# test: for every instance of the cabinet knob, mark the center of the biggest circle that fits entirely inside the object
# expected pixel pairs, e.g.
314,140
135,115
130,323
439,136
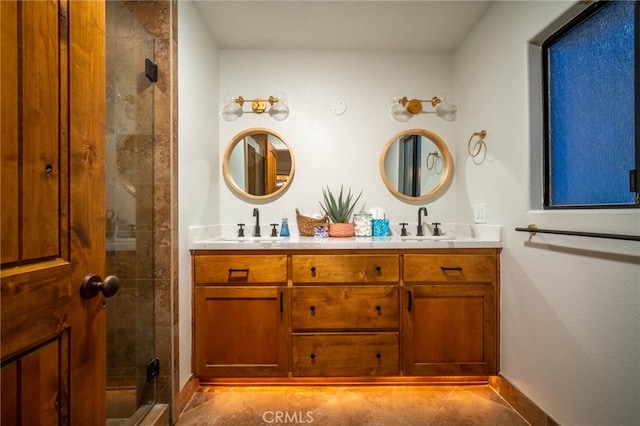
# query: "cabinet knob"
378,308
313,270
378,269
312,356
378,355
312,309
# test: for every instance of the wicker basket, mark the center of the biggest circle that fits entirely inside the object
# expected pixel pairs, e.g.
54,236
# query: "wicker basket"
306,223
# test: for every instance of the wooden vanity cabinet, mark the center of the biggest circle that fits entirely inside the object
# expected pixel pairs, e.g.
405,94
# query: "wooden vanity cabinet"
345,315
450,313
240,323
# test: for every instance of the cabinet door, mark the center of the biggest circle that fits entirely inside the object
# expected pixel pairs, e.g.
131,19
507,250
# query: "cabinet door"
240,332
449,330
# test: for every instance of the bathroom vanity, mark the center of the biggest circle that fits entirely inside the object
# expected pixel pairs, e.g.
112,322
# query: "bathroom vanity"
345,308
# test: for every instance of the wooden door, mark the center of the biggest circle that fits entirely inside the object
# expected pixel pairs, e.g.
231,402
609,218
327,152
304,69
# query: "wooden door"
53,341
271,173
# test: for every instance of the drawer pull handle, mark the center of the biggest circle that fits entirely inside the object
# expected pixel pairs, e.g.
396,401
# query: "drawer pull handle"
312,356
378,355
378,269
312,309
409,301
313,271
232,270
378,308
452,268
281,302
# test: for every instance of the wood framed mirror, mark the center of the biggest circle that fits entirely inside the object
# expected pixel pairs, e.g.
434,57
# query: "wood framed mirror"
416,165
258,164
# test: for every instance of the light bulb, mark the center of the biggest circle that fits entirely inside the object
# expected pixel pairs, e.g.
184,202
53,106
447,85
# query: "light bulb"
399,113
229,98
231,112
396,98
447,111
279,111
281,97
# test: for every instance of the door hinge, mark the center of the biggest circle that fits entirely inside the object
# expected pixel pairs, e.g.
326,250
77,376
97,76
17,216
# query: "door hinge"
153,369
151,70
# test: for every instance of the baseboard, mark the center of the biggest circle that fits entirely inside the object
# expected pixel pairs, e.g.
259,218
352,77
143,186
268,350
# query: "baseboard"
185,395
520,402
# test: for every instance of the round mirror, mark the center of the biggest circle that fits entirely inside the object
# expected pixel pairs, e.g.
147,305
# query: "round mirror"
258,164
416,165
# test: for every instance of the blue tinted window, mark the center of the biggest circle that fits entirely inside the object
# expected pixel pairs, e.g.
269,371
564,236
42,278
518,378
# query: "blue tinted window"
591,111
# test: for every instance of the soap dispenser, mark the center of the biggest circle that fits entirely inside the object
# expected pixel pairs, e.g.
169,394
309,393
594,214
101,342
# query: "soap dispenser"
284,228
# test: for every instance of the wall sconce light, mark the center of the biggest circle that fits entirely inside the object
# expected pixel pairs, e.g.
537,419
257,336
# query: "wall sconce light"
233,105
480,143
403,108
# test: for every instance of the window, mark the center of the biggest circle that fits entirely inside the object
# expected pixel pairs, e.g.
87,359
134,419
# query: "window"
590,85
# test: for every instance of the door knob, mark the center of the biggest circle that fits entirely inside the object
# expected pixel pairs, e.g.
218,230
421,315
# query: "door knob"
92,284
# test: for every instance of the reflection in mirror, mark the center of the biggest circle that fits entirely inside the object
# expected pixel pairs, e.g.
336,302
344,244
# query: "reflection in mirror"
416,165
258,163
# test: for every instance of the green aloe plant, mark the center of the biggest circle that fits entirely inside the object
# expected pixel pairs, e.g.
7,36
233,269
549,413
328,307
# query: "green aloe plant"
339,209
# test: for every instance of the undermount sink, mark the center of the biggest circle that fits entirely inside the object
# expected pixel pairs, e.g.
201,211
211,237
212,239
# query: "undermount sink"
249,239
427,238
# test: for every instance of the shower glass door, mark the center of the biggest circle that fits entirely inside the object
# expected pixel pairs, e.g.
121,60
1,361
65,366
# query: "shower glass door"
129,215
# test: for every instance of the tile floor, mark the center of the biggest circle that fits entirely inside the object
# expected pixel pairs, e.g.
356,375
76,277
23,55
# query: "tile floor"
349,405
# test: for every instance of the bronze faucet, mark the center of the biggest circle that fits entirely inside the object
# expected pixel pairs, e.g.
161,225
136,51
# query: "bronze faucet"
420,210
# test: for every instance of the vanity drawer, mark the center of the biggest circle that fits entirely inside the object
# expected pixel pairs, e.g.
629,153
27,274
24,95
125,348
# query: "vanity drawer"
240,269
345,269
353,308
449,268
366,354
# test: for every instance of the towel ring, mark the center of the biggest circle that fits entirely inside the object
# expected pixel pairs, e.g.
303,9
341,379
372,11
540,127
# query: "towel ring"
477,147
432,162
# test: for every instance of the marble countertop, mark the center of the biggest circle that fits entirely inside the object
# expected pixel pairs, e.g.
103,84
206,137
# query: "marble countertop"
454,235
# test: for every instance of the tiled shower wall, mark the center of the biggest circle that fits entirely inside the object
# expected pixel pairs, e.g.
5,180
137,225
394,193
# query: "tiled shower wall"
155,266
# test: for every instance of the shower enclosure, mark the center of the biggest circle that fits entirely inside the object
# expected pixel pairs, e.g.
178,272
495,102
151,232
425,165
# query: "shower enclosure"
131,364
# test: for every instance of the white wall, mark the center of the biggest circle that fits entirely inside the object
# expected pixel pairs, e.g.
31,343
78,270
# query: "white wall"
333,149
199,162
570,325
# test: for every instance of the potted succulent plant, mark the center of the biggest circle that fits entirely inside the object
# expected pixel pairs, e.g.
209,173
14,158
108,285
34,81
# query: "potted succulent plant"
339,210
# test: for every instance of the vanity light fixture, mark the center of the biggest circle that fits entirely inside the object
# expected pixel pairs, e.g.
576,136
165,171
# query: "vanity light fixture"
233,106
480,143
403,108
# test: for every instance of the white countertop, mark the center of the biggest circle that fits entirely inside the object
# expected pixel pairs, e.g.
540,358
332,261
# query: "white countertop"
455,235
